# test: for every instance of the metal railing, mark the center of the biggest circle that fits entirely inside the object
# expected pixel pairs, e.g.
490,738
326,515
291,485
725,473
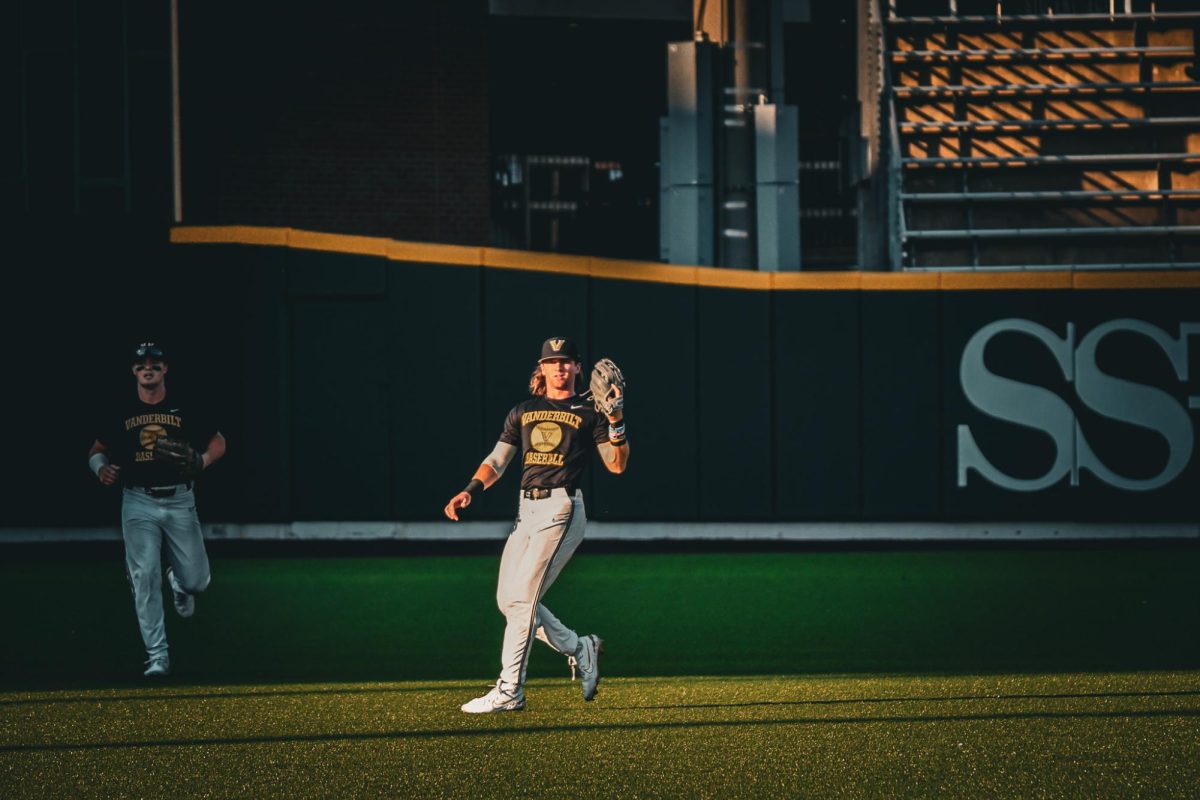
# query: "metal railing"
1123,11
1061,267
1074,123
1081,158
901,161
898,230
1026,233
1118,196
1026,89
1051,54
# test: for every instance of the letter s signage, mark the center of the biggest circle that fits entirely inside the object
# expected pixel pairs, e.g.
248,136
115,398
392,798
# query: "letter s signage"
1041,409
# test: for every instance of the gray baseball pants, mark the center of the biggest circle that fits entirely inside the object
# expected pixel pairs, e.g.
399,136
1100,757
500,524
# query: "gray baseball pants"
146,522
543,540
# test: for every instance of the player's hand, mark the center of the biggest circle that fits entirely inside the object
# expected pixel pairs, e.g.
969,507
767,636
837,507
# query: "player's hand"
109,473
620,415
459,501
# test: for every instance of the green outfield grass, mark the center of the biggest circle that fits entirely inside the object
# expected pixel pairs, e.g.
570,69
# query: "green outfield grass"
1070,672
1063,735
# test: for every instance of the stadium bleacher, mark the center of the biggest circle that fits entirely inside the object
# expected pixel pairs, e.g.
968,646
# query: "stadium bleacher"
1042,140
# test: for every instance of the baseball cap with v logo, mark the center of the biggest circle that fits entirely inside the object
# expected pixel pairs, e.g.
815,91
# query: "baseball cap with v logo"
559,347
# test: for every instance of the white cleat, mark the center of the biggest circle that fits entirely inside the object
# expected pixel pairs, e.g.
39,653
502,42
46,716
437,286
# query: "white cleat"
159,667
587,660
496,700
185,604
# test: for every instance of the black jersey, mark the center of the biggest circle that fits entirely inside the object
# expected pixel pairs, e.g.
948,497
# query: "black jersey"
138,425
555,437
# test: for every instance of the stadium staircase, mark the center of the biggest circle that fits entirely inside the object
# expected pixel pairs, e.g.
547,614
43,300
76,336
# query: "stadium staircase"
1041,141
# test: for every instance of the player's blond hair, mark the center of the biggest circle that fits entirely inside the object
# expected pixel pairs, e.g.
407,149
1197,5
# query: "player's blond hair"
537,382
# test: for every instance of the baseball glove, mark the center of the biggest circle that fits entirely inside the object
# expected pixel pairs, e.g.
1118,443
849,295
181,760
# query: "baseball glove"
180,454
607,377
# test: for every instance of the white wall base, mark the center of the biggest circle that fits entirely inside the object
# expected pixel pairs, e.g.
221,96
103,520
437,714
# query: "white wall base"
652,531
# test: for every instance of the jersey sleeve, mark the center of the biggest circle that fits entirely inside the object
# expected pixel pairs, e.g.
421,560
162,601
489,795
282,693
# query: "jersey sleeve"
511,434
600,429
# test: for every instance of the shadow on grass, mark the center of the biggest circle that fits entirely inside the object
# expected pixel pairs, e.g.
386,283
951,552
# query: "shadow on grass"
465,685
217,695
641,726
331,678
887,700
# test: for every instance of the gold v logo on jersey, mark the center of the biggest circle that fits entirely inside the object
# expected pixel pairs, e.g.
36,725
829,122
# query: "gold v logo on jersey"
556,344
545,436
150,435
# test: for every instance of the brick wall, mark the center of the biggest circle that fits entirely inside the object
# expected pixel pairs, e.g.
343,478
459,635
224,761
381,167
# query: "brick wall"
355,117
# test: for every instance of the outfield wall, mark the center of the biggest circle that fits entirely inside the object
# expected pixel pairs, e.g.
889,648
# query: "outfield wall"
363,379
649,532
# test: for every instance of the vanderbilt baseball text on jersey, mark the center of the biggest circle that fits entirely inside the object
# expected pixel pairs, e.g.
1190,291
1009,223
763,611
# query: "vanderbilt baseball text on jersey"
555,437
131,442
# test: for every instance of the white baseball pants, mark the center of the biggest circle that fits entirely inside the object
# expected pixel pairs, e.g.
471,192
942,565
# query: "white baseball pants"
545,536
145,523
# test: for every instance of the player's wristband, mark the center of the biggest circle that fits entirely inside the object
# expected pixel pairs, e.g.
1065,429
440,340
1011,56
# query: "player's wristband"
474,486
616,434
97,462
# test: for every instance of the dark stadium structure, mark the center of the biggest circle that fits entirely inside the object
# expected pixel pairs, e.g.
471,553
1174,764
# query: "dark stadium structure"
885,179
921,135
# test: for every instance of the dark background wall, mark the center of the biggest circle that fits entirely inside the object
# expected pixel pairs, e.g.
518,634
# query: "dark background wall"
387,119
355,117
347,117
356,388
86,128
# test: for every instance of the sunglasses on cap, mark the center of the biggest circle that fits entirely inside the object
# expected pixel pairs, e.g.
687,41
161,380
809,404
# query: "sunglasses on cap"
148,349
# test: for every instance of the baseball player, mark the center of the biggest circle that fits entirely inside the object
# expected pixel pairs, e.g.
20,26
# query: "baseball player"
158,446
553,431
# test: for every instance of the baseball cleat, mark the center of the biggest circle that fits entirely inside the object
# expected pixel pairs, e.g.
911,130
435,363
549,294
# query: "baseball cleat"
159,667
587,660
185,604
497,699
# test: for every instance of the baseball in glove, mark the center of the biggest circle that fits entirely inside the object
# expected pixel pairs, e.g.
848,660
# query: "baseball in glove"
608,387
179,454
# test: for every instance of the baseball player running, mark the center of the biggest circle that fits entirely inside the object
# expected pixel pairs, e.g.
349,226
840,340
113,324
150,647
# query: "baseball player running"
155,449
554,431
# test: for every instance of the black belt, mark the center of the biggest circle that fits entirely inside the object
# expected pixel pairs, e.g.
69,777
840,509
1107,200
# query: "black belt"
541,493
163,491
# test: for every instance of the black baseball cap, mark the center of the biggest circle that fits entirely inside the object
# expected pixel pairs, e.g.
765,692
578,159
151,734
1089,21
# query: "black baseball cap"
146,350
559,347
